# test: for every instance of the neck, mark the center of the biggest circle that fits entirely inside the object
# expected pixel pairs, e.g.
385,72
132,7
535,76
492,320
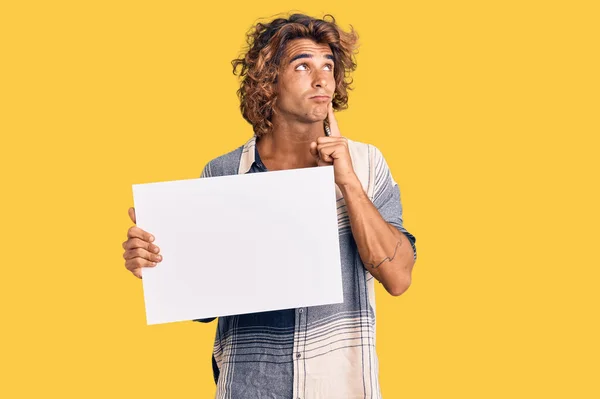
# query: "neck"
287,146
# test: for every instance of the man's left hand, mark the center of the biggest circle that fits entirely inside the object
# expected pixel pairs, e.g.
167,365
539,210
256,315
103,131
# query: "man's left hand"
333,150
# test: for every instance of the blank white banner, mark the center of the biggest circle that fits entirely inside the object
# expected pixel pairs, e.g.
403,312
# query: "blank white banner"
241,244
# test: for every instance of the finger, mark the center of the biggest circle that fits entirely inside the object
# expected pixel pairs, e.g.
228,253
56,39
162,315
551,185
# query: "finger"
136,271
136,232
333,125
313,151
326,152
138,263
139,243
321,140
141,253
131,212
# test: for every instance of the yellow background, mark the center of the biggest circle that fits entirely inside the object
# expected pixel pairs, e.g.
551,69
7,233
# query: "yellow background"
487,112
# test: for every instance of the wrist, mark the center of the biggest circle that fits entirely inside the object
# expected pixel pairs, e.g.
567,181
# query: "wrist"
352,186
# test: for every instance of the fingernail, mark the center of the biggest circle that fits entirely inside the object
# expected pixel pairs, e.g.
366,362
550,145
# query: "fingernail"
151,238
156,249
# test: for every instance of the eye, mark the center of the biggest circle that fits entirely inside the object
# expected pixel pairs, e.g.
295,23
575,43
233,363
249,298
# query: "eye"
301,67
329,67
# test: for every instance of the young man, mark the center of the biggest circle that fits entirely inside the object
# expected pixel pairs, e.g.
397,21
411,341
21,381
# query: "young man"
292,78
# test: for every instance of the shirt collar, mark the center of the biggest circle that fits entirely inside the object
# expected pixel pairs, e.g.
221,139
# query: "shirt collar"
250,157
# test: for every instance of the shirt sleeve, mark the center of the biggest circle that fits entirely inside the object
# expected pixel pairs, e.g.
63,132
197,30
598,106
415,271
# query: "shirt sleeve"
206,172
386,197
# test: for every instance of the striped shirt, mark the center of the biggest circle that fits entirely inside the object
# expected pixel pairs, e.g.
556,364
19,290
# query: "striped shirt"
312,352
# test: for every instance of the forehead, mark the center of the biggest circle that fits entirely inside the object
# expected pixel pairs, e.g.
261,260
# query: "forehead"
305,46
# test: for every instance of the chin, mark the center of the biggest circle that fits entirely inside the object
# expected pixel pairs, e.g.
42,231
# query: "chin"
316,119
319,116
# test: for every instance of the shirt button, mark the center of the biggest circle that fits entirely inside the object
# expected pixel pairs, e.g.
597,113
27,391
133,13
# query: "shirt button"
300,310
298,355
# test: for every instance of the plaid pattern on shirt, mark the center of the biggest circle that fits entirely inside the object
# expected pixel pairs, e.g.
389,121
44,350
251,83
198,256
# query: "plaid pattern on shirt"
319,351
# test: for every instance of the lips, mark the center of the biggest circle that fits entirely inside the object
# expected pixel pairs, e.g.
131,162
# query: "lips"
321,98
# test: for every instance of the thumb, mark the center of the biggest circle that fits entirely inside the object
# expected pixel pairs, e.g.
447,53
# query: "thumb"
131,212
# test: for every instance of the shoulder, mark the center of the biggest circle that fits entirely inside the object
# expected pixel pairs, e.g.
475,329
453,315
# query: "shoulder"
364,152
226,164
369,166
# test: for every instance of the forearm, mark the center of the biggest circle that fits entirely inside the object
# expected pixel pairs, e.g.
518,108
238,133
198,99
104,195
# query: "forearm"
386,253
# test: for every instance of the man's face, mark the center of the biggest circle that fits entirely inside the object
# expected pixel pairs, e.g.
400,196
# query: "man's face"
306,83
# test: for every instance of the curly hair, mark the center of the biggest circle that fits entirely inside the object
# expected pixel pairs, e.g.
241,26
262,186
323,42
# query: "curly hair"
258,68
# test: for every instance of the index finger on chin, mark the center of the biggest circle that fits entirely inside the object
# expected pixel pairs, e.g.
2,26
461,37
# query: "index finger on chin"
333,125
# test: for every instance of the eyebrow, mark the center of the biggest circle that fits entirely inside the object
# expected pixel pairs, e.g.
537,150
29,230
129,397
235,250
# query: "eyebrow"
328,56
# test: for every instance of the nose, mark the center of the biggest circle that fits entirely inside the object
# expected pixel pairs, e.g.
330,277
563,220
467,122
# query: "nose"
320,80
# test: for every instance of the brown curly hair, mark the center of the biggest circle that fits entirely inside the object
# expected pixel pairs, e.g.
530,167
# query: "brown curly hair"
259,66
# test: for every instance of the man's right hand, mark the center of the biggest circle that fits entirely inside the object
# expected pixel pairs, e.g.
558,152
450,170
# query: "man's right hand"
139,250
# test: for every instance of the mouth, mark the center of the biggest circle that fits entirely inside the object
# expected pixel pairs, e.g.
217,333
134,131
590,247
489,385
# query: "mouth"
321,99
